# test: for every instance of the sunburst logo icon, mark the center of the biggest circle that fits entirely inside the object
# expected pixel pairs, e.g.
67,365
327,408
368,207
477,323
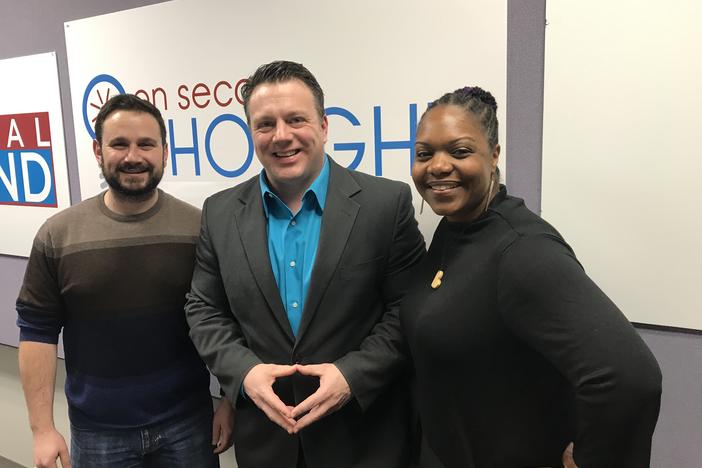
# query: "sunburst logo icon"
96,95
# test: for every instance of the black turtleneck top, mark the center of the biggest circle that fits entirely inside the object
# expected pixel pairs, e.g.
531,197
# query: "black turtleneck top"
518,352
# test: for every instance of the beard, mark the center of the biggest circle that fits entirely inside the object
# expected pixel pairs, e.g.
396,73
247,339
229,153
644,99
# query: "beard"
125,190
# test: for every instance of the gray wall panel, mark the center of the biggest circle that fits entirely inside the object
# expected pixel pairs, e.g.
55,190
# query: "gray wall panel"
525,99
11,272
676,442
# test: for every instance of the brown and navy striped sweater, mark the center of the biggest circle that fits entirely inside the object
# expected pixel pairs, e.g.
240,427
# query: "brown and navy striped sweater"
116,286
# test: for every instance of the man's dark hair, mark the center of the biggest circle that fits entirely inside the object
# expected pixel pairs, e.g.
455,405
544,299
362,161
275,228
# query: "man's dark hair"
278,72
128,102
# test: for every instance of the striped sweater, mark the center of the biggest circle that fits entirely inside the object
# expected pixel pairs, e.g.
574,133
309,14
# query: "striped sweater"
116,286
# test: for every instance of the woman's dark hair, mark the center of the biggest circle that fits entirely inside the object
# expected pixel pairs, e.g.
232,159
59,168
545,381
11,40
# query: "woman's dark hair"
478,102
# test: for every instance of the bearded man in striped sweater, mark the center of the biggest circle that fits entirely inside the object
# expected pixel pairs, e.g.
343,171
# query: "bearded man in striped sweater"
112,272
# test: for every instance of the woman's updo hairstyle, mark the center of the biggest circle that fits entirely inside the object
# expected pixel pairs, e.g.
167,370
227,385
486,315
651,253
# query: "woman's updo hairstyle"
478,102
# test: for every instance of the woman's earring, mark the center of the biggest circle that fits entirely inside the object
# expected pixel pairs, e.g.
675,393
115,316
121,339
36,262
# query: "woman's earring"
492,184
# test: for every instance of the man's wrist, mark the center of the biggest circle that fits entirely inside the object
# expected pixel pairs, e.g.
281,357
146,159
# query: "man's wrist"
43,429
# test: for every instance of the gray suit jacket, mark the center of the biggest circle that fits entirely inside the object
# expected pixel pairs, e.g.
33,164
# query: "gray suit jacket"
368,242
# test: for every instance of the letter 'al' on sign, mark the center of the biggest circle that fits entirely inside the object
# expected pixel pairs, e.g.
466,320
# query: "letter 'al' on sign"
26,160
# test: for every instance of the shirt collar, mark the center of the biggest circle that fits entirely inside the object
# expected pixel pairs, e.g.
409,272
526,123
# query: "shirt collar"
318,188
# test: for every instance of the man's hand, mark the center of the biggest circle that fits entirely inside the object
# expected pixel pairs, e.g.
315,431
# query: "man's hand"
568,460
332,394
222,426
48,446
258,385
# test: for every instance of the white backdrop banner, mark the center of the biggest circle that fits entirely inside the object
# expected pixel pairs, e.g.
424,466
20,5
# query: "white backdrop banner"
379,64
33,174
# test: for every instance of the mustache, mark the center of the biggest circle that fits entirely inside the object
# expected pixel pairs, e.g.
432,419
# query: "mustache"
135,167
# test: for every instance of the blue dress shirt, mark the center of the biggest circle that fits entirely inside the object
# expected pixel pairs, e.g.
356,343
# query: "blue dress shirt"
293,240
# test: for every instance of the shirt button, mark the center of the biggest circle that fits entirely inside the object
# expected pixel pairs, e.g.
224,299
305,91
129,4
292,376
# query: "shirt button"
294,304
293,222
292,263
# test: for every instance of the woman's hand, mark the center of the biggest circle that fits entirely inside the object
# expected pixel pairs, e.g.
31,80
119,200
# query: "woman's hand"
568,461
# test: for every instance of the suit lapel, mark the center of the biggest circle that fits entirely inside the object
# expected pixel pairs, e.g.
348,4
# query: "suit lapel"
251,223
337,221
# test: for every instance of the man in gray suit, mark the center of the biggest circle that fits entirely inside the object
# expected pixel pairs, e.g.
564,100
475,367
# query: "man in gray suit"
295,294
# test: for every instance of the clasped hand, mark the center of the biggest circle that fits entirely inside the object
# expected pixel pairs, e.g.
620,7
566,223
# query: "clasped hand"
332,394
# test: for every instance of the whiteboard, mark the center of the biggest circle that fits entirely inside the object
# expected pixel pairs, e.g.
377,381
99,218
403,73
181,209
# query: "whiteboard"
621,164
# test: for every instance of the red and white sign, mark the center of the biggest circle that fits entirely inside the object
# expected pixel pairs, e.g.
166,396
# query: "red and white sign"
33,174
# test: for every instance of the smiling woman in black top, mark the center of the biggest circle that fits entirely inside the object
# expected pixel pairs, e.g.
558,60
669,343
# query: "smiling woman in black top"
517,352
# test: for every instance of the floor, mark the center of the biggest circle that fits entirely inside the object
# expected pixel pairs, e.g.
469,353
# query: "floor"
15,435
5,463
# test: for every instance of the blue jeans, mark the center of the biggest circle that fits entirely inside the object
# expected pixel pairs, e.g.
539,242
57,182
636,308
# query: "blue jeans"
174,444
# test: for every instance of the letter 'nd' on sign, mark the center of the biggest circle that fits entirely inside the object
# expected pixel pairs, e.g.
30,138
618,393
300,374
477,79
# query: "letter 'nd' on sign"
26,160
